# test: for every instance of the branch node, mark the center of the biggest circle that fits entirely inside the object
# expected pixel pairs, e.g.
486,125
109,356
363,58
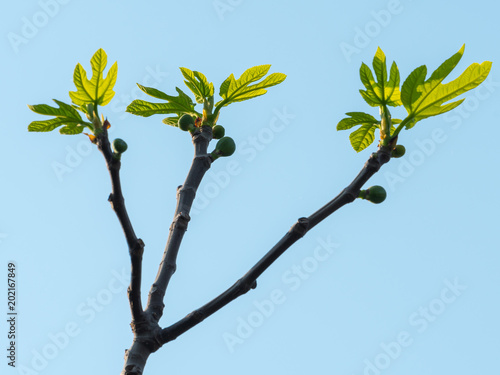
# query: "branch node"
301,227
138,248
198,316
350,194
181,221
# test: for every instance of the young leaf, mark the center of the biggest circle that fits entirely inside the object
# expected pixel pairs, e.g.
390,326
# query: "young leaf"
177,105
198,84
386,90
98,90
236,90
365,135
172,121
355,119
362,137
424,98
64,115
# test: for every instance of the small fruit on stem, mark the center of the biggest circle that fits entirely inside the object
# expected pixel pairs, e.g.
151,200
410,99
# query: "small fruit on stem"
186,122
119,147
375,194
398,151
225,147
218,131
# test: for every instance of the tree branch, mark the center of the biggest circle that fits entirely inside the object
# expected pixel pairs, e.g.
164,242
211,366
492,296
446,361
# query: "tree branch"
135,245
297,231
185,197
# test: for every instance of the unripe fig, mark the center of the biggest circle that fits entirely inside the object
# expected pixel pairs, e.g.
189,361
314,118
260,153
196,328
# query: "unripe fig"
186,122
398,151
376,194
225,147
218,131
119,146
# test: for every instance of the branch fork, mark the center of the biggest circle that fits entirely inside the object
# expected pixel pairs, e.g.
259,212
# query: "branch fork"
148,335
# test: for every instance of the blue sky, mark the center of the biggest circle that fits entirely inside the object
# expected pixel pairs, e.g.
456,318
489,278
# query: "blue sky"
408,286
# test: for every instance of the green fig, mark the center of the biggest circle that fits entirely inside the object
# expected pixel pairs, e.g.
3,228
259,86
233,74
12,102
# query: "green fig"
186,122
119,146
218,131
375,194
398,151
224,147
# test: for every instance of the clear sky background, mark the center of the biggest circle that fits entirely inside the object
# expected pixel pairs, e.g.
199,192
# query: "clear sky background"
406,287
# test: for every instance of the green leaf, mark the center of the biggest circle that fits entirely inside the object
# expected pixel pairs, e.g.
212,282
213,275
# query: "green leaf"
64,115
362,137
386,90
172,121
98,90
236,90
198,84
175,104
424,98
355,119
225,85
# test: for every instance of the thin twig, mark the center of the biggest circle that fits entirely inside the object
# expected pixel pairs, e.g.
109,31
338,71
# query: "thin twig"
135,245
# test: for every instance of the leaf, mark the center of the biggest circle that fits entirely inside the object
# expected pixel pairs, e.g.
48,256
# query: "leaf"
225,85
362,137
173,121
424,98
386,90
236,90
97,90
198,84
64,115
175,104
355,119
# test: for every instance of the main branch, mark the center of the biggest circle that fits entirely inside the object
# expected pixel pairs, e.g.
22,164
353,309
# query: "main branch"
185,197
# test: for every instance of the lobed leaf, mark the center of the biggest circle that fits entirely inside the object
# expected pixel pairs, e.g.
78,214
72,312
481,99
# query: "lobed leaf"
236,90
98,90
178,105
355,119
362,137
198,84
365,135
424,98
172,121
64,114
384,91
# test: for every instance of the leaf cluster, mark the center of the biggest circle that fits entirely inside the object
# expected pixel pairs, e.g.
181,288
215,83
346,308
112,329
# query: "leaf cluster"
421,97
231,91
89,94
